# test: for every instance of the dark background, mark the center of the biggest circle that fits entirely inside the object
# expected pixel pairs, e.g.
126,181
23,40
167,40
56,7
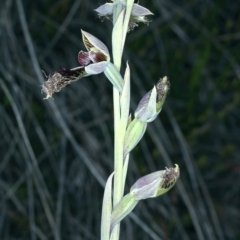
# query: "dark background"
57,154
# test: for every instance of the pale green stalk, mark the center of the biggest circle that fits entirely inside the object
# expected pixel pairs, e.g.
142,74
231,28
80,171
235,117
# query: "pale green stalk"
118,38
118,138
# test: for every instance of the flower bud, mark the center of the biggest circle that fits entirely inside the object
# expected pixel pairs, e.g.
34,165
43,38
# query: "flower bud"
155,184
151,104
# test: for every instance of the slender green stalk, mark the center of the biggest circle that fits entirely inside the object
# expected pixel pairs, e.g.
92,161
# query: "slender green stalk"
118,139
119,127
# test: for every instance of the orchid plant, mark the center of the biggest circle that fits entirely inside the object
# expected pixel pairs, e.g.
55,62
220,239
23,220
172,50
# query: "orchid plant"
125,15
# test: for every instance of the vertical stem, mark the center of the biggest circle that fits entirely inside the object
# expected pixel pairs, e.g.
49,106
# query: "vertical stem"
118,150
119,132
118,141
118,162
118,136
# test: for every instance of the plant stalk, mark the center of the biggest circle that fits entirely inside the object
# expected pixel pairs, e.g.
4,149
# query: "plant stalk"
119,128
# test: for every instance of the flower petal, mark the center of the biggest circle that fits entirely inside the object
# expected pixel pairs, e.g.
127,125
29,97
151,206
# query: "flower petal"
147,106
97,56
140,11
105,9
96,68
83,58
147,186
90,41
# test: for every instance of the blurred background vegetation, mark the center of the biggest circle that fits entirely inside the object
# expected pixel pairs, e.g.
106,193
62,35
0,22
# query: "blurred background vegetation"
57,154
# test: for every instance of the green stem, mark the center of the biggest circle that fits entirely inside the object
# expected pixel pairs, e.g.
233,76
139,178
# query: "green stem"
119,132
118,142
118,162
118,150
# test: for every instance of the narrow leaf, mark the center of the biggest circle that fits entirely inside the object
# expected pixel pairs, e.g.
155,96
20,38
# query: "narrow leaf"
125,168
125,98
123,208
117,36
126,20
107,210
